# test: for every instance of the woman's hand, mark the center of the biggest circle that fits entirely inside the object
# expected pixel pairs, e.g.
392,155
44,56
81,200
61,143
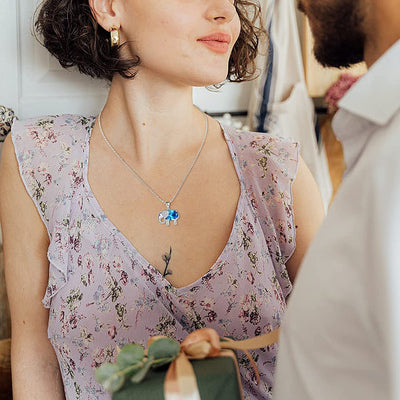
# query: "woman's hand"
35,370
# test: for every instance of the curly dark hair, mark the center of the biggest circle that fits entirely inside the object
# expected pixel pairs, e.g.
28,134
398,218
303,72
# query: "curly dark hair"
70,33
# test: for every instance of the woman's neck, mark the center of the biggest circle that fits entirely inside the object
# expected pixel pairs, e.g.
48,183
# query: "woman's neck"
151,119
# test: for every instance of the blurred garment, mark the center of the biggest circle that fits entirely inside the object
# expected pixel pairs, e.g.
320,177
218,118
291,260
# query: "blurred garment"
280,103
341,334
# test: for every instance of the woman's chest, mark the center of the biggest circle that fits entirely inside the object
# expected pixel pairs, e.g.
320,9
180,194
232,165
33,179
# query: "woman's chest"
111,295
182,243
112,287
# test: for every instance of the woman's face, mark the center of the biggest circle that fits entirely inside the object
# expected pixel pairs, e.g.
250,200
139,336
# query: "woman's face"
188,42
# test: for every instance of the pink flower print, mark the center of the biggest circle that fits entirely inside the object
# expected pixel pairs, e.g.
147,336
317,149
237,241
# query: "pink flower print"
42,169
90,277
112,332
255,317
282,232
208,304
34,134
253,144
250,309
124,278
57,237
73,321
76,174
148,276
98,358
53,136
88,259
259,137
248,224
250,277
64,350
244,314
117,263
250,228
206,279
252,198
102,356
211,316
188,302
75,243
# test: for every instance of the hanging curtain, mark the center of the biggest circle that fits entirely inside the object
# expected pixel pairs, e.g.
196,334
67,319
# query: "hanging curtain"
280,103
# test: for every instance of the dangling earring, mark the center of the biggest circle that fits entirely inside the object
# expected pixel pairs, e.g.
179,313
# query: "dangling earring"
114,36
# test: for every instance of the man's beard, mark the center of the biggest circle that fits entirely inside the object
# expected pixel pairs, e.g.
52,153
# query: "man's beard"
337,27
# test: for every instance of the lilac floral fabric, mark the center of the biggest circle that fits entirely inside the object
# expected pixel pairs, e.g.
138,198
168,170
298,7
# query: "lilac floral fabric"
102,293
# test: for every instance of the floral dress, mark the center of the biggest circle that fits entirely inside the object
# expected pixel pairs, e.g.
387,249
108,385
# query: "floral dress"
102,293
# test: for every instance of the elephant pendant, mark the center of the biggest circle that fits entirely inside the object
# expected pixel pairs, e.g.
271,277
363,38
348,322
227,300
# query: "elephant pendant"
167,216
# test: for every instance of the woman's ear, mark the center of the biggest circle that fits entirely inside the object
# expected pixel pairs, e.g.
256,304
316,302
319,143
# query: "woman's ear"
104,12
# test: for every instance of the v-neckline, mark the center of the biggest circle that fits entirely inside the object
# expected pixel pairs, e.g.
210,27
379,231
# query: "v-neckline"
129,246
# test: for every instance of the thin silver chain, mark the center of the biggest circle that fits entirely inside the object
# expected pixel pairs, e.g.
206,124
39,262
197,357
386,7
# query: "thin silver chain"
167,203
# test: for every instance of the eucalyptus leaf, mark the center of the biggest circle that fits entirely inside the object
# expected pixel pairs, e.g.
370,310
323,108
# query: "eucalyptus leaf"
162,361
138,376
129,355
164,348
110,377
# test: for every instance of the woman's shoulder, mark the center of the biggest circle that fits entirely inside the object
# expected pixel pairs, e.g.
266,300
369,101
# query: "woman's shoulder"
246,138
48,132
263,150
51,152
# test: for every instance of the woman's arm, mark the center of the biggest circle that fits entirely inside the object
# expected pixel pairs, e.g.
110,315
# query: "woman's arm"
308,215
35,370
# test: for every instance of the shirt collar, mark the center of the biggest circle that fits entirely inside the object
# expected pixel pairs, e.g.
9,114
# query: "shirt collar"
370,103
376,96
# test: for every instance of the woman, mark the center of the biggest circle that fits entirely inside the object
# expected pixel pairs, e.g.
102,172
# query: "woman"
149,219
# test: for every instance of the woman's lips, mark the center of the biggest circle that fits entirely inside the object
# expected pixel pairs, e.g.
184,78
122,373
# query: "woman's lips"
218,42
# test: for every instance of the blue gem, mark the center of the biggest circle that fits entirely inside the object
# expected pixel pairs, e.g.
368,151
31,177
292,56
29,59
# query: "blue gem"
172,215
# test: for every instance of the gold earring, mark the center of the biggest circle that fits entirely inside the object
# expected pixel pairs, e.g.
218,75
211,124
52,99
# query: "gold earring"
114,36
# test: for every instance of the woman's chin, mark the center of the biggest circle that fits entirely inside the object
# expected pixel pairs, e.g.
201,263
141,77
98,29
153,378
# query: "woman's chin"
210,80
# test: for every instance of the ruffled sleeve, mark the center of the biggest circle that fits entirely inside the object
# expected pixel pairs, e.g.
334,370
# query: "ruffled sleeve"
269,166
49,157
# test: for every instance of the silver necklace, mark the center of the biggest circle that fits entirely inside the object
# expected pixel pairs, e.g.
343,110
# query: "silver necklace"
168,215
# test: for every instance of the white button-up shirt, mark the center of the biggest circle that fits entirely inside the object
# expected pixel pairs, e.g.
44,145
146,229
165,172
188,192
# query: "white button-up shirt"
341,335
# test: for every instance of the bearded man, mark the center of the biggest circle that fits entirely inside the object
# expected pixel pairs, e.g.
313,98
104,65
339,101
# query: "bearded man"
341,336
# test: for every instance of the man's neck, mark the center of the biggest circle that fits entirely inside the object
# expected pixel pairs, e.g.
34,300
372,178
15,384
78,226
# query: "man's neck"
383,29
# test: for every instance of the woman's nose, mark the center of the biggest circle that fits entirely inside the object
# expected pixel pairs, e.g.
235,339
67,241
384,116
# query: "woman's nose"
221,10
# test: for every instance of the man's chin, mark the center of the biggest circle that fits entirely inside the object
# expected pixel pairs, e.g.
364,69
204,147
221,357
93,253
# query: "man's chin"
339,58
